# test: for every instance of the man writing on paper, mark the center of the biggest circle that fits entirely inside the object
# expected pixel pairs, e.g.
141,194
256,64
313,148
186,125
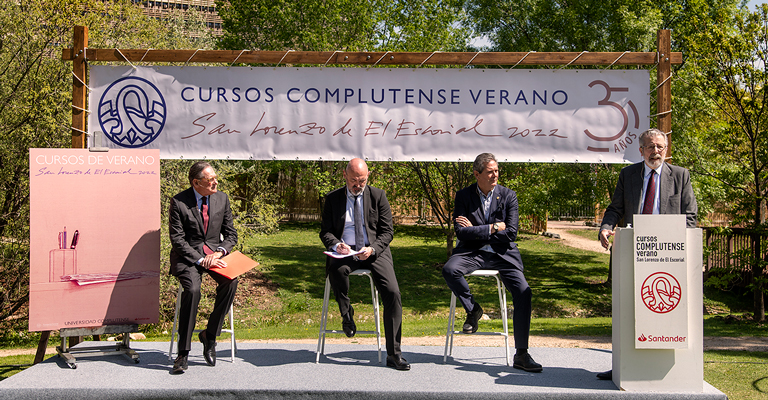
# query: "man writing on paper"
358,217
202,232
649,187
485,220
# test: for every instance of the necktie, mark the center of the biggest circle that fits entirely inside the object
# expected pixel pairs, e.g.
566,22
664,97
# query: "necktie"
359,240
650,194
204,211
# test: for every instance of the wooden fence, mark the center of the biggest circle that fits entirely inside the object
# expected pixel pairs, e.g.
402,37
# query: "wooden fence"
722,249
303,203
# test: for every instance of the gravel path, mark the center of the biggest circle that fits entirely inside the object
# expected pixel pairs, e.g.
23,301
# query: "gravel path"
561,228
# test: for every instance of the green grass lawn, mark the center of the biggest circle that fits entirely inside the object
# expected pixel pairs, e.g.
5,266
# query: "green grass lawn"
566,282
739,374
569,298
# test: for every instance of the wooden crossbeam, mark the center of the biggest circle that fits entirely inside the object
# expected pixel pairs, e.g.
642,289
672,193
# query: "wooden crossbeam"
371,58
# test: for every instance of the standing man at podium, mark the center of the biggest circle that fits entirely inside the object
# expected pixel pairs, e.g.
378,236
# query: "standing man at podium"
649,187
202,231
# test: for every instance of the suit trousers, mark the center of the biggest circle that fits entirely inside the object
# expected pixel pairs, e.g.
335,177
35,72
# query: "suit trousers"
190,279
459,265
385,280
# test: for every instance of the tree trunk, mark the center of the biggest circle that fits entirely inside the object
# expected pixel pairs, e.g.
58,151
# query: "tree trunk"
449,243
757,273
757,266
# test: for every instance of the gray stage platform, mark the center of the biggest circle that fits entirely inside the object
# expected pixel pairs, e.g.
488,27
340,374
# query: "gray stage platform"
288,371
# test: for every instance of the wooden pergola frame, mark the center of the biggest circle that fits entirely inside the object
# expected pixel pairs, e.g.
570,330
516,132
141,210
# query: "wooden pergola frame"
80,55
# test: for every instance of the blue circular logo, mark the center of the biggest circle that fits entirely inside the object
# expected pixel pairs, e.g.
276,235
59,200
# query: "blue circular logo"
132,112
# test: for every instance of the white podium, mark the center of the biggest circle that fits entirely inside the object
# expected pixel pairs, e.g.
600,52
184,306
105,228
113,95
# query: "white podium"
655,370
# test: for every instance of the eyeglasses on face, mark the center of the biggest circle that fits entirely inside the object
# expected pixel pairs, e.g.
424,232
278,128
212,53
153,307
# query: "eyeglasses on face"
209,180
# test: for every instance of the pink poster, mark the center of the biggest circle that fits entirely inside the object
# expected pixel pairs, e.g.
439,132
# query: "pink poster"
94,238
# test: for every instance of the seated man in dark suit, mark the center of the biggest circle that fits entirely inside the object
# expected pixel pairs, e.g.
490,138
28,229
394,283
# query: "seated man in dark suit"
357,217
485,219
202,231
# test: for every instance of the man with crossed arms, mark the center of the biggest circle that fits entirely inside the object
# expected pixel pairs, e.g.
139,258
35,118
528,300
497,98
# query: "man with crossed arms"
486,222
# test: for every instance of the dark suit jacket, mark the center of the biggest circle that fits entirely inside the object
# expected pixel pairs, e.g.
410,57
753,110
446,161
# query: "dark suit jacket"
675,195
378,221
503,209
186,228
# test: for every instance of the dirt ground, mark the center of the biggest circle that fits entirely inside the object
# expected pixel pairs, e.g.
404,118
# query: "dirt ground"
586,342
560,228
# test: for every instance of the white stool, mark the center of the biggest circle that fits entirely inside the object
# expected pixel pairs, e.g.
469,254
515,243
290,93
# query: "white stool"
324,316
502,305
231,329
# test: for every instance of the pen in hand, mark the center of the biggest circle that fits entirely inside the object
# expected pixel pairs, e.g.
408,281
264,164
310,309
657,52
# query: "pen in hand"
342,248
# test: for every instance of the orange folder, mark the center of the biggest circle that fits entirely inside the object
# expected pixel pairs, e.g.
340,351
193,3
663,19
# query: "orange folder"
237,263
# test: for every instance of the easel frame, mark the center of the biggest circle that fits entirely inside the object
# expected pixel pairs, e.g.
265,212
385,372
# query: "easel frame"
118,348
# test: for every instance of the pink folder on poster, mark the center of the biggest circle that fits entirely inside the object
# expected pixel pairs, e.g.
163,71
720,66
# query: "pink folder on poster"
237,264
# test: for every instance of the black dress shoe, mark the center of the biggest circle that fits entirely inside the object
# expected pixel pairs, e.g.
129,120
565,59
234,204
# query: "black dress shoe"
209,349
470,325
526,363
605,376
180,365
348,323
398,363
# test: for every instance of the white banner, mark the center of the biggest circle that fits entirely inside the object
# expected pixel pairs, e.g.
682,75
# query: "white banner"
661,282
380,114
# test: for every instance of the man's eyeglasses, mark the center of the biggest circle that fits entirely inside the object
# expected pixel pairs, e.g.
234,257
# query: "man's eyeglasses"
209,180
655,147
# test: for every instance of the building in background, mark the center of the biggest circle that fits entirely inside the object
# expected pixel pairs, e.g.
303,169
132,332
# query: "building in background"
160,9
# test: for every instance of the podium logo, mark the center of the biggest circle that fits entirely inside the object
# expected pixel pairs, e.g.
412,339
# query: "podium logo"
661,292
662,339
132,112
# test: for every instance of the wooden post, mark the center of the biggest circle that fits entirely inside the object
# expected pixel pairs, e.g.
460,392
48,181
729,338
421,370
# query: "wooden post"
79,67
41,347
664,91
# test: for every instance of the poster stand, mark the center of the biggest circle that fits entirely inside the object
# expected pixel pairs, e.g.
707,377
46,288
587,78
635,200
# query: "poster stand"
122,347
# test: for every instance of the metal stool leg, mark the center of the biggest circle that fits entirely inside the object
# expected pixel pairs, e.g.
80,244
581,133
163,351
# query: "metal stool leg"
450,333
375,300
324,317
323,321
504,319
449,330
231,330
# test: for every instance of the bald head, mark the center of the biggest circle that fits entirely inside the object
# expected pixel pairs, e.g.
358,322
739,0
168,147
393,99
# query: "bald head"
356,175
